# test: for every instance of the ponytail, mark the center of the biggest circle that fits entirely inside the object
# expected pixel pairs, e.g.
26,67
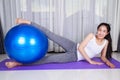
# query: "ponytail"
109,48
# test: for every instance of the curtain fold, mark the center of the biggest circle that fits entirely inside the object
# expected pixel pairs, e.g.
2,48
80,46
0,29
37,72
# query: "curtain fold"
116,23
72,19
118,45
1,39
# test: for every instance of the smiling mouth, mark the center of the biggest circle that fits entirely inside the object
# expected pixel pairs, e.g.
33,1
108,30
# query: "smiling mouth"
100,35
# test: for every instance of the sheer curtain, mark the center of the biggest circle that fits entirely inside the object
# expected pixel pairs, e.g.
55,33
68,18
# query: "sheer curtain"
72,19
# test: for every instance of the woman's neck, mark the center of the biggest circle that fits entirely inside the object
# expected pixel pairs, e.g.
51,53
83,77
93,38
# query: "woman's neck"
99,39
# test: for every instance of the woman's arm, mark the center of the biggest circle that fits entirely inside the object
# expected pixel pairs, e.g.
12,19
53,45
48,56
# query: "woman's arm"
104,59
82,51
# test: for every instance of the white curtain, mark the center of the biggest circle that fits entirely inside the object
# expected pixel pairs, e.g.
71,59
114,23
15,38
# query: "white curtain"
72,19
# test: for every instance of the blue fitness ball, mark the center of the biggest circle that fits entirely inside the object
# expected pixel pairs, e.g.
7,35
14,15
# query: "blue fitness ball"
25,43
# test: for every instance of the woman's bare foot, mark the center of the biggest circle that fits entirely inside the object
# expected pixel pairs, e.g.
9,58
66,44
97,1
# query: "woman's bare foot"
12,64
19,21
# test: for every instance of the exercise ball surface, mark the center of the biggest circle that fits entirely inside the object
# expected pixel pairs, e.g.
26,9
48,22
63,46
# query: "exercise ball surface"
25,43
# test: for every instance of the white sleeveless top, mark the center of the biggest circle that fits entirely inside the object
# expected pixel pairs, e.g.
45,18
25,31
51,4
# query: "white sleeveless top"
91,49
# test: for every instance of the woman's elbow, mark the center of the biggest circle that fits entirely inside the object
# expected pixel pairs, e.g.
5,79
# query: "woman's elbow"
103,57
80,48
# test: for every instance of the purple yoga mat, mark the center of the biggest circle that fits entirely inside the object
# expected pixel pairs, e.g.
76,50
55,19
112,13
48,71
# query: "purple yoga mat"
51,66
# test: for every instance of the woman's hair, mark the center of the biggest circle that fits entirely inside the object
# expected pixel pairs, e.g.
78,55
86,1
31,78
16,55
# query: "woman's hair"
108,37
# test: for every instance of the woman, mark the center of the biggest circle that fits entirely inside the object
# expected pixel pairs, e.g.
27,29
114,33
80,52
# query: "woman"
87,49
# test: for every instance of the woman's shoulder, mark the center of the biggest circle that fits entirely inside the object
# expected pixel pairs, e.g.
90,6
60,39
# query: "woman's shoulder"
91,35
106,41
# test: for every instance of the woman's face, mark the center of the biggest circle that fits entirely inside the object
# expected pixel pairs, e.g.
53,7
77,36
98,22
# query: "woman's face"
102,32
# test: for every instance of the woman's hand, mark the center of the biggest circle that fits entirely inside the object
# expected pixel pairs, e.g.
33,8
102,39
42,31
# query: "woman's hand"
110,65
107,62
95,62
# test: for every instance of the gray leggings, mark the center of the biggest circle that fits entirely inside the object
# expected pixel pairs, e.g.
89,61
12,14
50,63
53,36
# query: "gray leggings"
69,47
